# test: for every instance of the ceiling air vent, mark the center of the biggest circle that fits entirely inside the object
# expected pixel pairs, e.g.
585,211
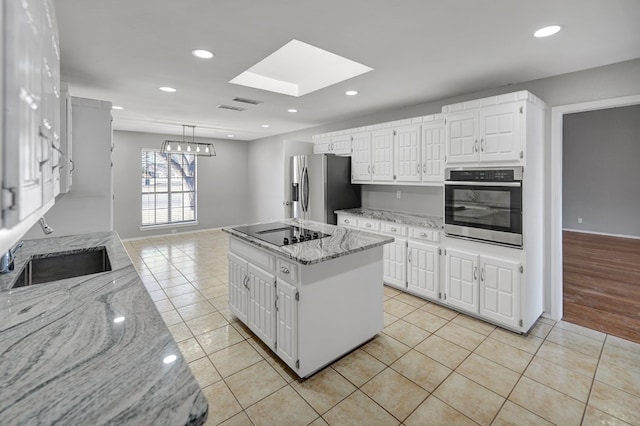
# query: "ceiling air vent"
247,101
234,108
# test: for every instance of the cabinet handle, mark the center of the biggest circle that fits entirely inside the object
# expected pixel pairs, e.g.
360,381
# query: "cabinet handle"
284,269
424,168
393,229
481,147
482,274
368,225
418,168
347,221
475,272
369,168
73,165
475,146
373,169
423,234
409,257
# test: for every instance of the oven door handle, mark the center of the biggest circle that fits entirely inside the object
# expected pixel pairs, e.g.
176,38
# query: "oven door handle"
482,183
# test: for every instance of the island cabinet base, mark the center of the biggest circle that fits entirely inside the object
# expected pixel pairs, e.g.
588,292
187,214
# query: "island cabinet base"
309,315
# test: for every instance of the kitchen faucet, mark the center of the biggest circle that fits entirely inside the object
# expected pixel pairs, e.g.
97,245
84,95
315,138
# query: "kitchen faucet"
6,262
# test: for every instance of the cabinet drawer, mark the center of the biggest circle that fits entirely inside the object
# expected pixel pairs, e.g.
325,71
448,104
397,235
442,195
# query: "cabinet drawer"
347,221
394,229
369,224
288,271
252,254
425,234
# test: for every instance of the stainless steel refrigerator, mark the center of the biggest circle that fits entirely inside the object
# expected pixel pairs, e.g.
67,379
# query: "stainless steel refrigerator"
321,184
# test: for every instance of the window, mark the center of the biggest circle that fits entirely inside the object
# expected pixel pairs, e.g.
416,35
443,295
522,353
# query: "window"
168,188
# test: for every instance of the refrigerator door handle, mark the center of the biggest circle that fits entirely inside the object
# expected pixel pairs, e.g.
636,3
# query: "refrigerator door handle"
305,190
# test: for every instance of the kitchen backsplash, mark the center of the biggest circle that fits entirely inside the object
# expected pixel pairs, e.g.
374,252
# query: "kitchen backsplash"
413,199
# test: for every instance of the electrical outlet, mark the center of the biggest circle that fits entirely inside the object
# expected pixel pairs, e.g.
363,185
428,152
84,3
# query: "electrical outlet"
579,220
398,195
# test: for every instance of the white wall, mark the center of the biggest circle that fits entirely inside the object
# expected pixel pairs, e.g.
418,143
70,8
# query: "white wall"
222,185
88,206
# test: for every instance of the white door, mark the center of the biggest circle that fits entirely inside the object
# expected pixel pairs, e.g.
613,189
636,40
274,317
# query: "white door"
500,132
238,287
361,157
433,135
407,154
382,155
424,269
461,283
287,323
261,317
462,137
394,266
500,290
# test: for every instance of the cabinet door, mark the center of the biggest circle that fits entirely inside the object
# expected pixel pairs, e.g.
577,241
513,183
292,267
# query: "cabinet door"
238,287
462,137
382,154
340,145
433,135
394,263
361,158
424,269
461,284
500,290
22,106
321,146
407,154
287,323
261,318
500,133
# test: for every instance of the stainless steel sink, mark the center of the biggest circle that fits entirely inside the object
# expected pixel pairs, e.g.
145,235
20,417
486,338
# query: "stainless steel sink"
49,267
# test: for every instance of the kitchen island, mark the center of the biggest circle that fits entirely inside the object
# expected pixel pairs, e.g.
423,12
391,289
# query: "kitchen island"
91,349
312,301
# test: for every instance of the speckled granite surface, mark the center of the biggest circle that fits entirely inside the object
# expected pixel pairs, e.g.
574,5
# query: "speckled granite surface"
424,221
342,242
89,350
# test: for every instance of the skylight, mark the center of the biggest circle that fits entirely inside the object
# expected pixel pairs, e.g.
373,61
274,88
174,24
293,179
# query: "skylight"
298,68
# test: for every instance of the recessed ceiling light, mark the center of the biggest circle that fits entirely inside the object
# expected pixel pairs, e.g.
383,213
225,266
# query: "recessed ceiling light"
547,31
116,107
265,125
167,89
351,92
292,110
230,136
201,53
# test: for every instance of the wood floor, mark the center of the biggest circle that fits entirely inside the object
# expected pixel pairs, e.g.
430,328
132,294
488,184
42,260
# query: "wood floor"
602,283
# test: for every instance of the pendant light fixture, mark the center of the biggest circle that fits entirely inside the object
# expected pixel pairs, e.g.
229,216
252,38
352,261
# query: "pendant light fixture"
200,149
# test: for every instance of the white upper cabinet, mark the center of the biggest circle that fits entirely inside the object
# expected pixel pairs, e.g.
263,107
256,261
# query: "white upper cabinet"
31,69
432,152
407,154
491,131
336,144
382,155
361,158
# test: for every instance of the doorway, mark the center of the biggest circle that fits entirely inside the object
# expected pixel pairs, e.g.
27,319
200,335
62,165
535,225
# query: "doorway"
556,291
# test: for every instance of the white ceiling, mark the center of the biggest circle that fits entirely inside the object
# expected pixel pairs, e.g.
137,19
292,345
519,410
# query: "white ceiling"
421,50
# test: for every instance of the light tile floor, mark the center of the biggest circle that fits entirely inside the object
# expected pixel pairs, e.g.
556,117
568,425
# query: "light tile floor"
430,365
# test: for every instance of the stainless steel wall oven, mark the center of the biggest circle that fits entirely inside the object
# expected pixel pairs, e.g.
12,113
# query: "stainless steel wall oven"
484,204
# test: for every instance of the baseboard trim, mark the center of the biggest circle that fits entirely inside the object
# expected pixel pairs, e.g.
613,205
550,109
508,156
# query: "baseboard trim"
582,231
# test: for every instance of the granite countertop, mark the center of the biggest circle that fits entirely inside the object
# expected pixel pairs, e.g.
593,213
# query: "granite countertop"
342,242
411,219
91,349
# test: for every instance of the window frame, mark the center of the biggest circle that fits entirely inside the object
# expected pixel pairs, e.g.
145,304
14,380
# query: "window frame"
168,192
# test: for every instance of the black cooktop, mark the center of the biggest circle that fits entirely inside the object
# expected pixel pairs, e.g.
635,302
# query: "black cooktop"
281,234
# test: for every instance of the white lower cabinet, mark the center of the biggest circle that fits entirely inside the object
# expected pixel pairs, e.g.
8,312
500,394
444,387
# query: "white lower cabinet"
483,285
394,261
261,291
423,269
500,290
238,286
286,322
